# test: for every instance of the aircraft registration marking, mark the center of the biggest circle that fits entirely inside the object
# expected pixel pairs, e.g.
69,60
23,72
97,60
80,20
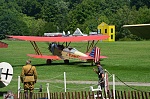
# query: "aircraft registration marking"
73,55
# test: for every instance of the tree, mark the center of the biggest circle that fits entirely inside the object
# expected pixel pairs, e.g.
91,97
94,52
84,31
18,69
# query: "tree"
121,18
61,15
34,25
48,28
143,15
11,23
140,3
30,7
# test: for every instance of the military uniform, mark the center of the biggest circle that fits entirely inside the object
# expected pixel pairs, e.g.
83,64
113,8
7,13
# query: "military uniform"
28,77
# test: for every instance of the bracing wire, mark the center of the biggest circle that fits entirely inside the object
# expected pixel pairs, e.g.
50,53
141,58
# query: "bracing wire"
124,82
56,77
57,86
128,85
93,84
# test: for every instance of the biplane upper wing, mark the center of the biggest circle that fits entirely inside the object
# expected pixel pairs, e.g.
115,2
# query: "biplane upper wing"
44,56
141,30
61,39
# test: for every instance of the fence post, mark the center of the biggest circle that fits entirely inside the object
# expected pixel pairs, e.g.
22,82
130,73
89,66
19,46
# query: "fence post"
106,82
47,85
114,86
0,72
65,81
19,87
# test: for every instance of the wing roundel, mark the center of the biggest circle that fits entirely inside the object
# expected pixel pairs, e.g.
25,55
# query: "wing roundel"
6,72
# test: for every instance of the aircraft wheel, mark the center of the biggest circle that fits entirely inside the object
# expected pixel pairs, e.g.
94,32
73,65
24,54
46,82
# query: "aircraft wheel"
66,61
49,61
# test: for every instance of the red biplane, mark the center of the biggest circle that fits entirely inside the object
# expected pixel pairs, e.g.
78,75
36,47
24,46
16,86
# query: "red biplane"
64,51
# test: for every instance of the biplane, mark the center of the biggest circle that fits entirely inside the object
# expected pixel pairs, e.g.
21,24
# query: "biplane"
63,51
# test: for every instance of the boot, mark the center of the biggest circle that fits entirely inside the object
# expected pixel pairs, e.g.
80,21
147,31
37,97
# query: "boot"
31,95
26,94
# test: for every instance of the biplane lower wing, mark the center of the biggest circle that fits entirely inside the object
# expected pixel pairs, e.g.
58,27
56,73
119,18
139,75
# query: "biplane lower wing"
44,56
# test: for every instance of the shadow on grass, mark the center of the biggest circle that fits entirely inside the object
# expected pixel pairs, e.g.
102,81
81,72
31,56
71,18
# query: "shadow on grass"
77,63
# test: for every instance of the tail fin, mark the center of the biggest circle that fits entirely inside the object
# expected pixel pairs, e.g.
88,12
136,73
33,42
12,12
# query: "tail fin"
95,53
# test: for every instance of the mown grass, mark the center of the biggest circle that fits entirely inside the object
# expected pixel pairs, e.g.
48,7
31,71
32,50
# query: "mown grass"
129,60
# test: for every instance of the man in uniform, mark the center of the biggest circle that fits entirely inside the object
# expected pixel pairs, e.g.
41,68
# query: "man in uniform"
100,73
29,78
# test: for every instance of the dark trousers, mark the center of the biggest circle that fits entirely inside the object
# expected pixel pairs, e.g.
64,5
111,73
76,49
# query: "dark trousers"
101,82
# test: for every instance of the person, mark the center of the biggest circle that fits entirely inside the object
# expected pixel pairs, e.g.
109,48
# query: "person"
100,73
28,78
53,46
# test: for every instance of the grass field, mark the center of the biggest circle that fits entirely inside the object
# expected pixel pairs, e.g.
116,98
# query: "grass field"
129,60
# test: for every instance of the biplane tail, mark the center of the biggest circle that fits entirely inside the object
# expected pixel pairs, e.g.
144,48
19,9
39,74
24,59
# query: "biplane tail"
96,54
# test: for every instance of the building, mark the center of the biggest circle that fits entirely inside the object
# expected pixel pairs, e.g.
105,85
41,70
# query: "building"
106,29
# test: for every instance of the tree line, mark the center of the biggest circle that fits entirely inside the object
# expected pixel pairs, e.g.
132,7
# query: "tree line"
35,17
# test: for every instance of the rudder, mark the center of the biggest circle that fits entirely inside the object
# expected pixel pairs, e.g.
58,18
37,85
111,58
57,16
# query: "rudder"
95,53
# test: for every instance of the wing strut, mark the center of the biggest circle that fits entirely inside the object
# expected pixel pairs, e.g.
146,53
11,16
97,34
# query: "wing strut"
68,44
37,50
91,46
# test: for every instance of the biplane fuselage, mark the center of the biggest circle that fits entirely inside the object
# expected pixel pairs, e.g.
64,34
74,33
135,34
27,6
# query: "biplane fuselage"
68,53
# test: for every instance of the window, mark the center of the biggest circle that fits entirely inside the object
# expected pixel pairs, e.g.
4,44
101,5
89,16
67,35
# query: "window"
111,30
111,36
105,30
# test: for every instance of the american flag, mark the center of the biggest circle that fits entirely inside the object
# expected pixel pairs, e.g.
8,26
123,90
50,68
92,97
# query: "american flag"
95,53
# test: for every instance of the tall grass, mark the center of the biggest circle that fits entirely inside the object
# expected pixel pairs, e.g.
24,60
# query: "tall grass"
128,60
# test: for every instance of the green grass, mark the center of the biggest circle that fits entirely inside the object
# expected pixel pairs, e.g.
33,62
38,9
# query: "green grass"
128,60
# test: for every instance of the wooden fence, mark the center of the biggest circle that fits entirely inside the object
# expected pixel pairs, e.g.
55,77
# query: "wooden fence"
91,95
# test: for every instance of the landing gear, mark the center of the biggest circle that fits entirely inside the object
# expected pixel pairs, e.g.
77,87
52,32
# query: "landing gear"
48,61
91,61
66,61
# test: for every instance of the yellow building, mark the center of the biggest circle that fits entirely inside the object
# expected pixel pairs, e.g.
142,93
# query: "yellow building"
106,29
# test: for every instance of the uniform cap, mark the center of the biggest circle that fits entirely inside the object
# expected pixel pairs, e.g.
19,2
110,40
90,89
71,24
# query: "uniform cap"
28,61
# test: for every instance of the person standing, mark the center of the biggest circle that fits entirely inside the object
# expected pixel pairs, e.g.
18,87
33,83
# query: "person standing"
100,73
28,78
